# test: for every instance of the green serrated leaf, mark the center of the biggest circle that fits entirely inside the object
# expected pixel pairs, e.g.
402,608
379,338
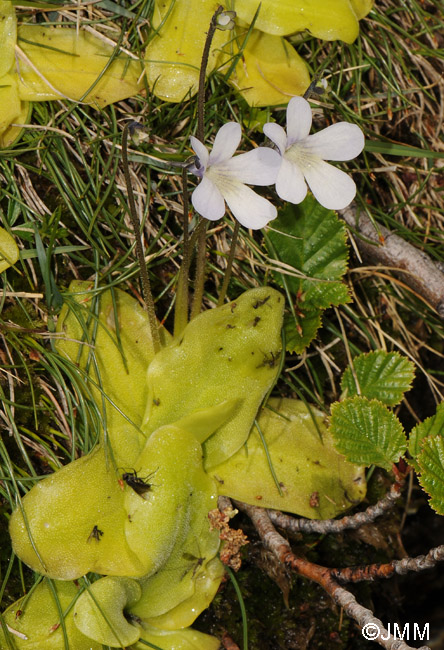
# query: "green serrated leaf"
325,294
431,464
366,432
311,240
298,334
433,426
385,376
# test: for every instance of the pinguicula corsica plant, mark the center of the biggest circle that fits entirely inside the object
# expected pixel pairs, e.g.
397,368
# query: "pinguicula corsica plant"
127,539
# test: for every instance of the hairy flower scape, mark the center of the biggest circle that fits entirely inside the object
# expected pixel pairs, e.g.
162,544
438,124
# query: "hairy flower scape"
224,178
303,157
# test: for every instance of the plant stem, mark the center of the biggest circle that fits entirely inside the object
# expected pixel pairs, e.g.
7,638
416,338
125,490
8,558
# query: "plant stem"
181,308
146,286
203,69
223,291
200,268
202,226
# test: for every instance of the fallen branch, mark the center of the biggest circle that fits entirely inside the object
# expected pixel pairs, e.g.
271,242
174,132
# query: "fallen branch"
350,522
401,567
372,628
415,267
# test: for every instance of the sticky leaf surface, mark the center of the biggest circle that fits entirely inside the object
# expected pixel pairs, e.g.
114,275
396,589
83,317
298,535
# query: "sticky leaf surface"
316,481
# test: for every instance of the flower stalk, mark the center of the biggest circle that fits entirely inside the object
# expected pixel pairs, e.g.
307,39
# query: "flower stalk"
146,285
203,69
227,276
181,309
201,241
200,268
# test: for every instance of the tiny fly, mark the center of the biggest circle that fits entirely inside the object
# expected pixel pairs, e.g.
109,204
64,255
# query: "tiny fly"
136,483
96,534
195,566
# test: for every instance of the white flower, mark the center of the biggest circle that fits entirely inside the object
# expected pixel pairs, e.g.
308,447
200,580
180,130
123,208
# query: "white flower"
303,157
224,177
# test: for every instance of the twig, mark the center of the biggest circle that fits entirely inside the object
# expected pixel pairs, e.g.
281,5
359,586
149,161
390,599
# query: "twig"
415,267
322,575
401,567
350,522
372,627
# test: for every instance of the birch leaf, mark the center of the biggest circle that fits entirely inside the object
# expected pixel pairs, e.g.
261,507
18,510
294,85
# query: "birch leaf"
431,464
366,432
432,426
380,375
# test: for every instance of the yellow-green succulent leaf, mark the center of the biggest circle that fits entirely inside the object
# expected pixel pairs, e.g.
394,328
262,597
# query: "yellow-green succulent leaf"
9,252
10,104
75,539
12,133
185,613
59,63
231,352
196,545
8,38
204,422
187,639
169,463
173,57
322,18
35,622
117,363
315,480
270,70
361,7
99,612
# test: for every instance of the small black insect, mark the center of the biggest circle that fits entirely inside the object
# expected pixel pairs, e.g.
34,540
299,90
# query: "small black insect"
138,484
259,303
195,566
96,534
270,360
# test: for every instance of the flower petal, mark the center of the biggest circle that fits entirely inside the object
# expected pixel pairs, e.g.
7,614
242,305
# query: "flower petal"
341,141
277,135
257,167
207,200
250,209
333,188
225,143
298,120
200,150
290,183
